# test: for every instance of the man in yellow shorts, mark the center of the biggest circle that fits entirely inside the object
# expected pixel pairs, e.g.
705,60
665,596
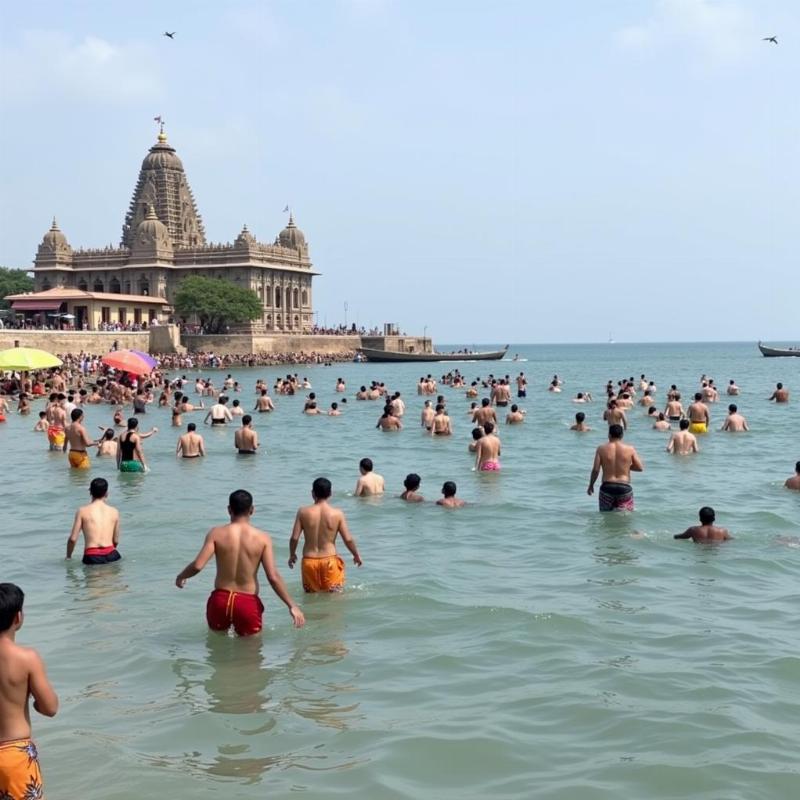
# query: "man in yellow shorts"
78,441
699,419
22,676
322,567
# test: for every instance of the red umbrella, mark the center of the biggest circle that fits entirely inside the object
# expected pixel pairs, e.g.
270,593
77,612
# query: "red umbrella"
127,361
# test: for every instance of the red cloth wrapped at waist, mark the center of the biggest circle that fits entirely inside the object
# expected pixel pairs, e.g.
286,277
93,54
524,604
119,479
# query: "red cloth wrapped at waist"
98,551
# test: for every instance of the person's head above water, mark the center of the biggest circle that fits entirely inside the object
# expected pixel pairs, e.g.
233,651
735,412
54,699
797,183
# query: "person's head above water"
580,416
75,414
449,489
191,427
98,488
684,424
707,515
365,465
615,432
477,433
240,503
321,489
11,600
488,427
133,423
412,482
733,408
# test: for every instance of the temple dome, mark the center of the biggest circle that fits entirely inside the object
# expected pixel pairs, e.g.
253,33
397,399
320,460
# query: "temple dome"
54,240
162,155
245,238
151,232
291,236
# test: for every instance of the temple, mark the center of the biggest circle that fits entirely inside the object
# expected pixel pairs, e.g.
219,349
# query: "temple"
163,241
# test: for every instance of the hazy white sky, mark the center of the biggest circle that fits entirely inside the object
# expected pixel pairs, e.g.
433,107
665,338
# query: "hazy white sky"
512,171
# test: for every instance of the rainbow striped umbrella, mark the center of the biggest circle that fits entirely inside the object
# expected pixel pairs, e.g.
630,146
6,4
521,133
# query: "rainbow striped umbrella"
127,361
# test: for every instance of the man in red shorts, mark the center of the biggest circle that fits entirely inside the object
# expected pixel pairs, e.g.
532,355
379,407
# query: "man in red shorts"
239,549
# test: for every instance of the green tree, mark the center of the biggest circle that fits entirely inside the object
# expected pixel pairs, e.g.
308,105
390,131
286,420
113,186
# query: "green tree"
13,281
216,303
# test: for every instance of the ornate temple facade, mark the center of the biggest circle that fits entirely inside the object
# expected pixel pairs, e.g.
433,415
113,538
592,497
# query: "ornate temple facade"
163,241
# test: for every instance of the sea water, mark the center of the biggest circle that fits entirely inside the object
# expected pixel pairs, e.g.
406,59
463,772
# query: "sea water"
524,646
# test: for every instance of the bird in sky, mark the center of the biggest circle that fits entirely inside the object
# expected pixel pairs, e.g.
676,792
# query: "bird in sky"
172,35
773,39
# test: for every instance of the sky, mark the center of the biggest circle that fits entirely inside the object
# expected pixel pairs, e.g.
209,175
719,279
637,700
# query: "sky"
483,172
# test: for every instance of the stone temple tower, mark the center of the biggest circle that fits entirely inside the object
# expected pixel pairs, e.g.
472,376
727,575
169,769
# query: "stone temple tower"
162,184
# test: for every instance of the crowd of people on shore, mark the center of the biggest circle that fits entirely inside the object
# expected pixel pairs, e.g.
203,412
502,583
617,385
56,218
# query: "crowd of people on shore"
241,550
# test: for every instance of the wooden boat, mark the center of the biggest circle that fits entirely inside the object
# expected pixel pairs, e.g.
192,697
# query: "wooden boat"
777,352
385,356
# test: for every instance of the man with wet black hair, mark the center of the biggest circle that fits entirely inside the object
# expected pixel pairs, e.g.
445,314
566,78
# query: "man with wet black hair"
99,523
706,531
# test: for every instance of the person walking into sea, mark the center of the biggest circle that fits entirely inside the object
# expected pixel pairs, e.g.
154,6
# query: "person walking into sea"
734,422
682,442
130,455
245,440
699,419
794,481
780,395
191,444
99,524
616,460
369,482
322,567
22,676
239,549
77,439
487,453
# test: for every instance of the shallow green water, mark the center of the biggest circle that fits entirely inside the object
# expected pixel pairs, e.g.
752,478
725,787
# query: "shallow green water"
524,646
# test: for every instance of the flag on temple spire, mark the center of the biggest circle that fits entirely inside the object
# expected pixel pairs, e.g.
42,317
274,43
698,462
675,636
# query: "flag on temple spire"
285,210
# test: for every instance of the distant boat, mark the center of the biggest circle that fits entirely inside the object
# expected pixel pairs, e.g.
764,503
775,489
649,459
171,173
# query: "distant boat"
385,356
777,352
611,339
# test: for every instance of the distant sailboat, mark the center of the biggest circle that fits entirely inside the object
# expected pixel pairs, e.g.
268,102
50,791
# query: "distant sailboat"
610,338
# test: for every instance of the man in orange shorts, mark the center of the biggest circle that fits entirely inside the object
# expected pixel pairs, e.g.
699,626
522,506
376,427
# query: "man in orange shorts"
240,549
22,676
322,568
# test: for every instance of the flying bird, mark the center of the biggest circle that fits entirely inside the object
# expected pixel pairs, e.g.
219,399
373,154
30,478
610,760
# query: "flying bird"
773,39
172,35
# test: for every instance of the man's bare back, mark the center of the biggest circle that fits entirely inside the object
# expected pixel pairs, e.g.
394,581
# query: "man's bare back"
99,523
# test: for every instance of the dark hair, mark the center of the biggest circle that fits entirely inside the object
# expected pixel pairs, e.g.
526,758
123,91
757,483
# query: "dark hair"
707,515
698,396
191,427
366,464
683,424
580,416
779,386
615,431
11,600
514,407
485,401
488,427
321,488
109,434
75,414
235,403
733,408
240,502
449,488
98,488
133,423
477,433
334,406
797,467
412,481
246,419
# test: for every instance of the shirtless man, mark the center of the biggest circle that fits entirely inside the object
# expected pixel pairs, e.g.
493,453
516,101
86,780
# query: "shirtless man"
245,440
362,394
706,531
22,676
682,442
554,387
322,568
485,413
647,399
107,444
674,409
191,444
388,421
99,523
734,422
370,483
732,389
580,423
661,423
617,461
794,481
426,418
240,549
522,385
340,385
77,439
515,416
614,415
501,394
334,410
699,419
487,454
441,425
780,395
412,484
219,413
449,499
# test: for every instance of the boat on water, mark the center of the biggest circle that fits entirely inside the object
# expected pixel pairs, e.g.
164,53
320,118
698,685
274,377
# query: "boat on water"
384,356
777,352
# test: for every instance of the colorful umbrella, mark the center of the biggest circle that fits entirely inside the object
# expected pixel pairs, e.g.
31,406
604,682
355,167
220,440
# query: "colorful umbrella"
27,358
127,361
147,358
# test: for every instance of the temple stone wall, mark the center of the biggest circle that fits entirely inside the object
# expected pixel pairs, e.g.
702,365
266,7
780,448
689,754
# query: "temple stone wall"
94,342
242,344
